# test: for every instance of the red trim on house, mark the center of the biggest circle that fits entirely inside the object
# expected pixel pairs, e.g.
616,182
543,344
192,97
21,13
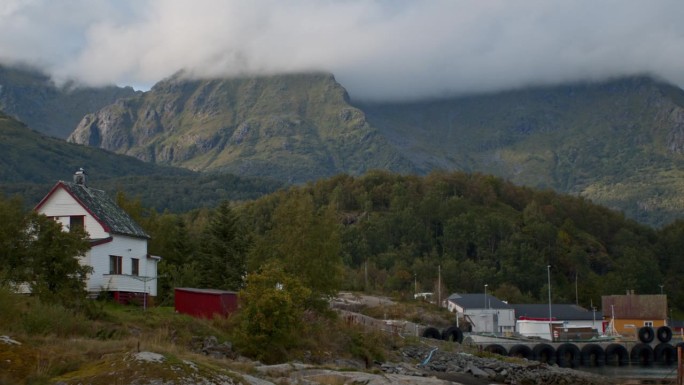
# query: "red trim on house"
45,198
61,184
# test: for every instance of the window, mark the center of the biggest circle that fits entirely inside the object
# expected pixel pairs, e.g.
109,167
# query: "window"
76,221
135,266
648,323
115,262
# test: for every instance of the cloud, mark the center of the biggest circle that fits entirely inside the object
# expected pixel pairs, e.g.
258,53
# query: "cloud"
376,48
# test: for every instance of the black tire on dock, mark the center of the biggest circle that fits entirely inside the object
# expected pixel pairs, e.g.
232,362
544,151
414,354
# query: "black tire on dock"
664,353
544,353
496,349
432,333
646,334
642,354
617,355
593,355
664,334
453,333
568,356
521,351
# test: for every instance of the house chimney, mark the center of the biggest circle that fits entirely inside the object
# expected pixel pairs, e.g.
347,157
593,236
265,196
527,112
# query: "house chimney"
80,177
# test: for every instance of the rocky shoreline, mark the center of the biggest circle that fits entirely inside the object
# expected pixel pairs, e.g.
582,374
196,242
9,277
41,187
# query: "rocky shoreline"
410,365
481,370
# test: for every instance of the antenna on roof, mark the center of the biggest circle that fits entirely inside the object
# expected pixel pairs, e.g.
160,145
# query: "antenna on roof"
80,177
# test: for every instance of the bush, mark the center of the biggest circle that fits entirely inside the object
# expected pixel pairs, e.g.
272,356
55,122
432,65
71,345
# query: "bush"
10,305
53,319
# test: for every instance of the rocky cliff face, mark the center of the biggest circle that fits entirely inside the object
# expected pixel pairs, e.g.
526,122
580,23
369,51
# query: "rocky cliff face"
619,143
293,127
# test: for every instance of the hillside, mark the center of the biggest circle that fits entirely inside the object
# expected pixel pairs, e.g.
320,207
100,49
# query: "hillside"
618,143
33,98
32,162
294,128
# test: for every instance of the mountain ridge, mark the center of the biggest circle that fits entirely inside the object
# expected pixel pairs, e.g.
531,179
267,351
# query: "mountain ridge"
33,161
299,125
618,142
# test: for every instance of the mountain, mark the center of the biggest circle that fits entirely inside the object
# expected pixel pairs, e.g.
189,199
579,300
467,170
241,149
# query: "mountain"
32,97
619,143
32,162
294,128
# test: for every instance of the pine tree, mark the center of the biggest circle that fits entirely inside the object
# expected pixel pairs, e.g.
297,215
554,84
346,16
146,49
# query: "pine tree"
223,251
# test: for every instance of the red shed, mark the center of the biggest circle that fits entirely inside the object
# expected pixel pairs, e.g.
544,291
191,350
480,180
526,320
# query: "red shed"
205,303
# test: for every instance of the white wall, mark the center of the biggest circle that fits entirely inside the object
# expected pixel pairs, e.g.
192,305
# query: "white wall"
128,248
487,320
62,205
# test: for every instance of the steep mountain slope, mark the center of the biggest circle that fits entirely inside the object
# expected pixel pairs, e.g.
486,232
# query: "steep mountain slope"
619,143
290,127
31,162
33,98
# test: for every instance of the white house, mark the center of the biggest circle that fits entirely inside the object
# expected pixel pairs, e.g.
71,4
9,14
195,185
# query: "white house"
485,313
118,253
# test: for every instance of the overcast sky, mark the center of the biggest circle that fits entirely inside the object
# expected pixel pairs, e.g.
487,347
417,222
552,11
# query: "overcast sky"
376,49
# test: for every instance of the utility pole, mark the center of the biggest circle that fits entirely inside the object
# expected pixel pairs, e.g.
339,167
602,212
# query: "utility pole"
439,285
548,273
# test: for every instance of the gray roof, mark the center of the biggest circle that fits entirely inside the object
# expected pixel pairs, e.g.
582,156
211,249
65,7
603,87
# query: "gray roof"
563,312
477,301
112,217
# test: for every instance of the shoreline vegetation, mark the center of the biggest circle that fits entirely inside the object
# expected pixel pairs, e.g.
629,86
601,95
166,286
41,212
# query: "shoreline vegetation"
49,344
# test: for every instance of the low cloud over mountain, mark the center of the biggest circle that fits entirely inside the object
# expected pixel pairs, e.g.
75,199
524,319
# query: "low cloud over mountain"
378,49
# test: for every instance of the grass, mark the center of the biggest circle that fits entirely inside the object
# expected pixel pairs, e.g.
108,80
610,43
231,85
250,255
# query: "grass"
102,348
58,344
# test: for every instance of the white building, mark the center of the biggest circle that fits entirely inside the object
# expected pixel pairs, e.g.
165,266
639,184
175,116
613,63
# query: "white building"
533,319
485,313
118,253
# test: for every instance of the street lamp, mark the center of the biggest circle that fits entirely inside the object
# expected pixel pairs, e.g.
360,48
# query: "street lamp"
486,295
661,288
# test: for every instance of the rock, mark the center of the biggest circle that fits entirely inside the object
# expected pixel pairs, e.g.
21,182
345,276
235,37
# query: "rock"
477,372
8,341
149,357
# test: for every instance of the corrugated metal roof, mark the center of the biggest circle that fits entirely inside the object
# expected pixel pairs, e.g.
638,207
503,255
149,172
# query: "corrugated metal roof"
105,210
635,306
569,312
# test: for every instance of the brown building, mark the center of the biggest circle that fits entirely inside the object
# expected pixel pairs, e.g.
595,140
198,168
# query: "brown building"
627,313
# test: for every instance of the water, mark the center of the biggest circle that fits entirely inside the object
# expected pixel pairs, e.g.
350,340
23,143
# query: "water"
655,374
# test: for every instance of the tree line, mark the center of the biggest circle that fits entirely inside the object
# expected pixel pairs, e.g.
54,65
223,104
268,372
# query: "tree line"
393,234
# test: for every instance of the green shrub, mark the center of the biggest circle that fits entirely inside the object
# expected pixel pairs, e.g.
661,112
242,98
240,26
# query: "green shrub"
53,319
10,305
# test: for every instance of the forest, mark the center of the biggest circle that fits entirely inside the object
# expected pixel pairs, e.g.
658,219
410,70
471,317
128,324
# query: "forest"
397,234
